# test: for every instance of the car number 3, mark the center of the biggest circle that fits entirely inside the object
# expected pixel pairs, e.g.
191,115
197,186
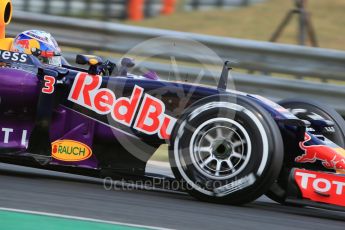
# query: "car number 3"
49,83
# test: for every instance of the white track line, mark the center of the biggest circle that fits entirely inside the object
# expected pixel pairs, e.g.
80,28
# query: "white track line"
80,218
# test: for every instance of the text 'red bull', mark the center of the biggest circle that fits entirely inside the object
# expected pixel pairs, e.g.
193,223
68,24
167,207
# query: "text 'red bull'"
330,157
151,118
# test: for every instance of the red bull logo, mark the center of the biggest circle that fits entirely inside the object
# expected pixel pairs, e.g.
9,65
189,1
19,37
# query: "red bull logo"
25,45
331,158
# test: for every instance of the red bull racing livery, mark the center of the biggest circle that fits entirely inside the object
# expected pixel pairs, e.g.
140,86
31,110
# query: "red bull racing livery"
224,146
331,157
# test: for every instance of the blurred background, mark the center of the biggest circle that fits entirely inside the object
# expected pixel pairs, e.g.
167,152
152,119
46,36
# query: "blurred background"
251,19
277,48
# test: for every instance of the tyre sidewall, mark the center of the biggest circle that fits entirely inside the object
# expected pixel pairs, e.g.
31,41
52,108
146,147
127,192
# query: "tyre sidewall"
266,156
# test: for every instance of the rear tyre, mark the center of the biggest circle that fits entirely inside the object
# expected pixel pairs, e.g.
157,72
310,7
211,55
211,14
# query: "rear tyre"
307,109
226,150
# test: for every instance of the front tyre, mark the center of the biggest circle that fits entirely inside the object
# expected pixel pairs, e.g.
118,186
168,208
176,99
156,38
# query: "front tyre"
227,150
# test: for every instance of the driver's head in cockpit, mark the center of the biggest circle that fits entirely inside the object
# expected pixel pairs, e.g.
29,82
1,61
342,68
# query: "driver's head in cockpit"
40,44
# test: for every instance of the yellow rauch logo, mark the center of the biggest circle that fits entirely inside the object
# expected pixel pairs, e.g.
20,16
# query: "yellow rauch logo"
69,150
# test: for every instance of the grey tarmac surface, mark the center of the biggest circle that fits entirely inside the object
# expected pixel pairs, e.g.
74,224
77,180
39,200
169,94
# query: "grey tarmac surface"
44,191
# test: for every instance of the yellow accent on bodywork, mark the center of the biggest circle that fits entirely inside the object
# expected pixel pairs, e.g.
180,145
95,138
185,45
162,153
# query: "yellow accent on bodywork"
341,151
93,61
6,43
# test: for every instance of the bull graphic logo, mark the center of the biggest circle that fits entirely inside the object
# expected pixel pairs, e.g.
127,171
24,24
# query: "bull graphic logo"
331,158
24,46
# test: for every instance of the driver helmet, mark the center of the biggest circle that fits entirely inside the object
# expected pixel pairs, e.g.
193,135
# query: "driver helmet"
40,44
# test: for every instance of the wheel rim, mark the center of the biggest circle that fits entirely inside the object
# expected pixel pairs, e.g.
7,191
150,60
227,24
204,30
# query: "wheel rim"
220,149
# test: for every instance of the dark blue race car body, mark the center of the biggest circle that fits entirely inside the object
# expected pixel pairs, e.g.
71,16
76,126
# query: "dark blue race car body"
224,146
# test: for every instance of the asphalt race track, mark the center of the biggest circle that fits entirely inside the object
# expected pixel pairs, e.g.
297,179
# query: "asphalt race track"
43,191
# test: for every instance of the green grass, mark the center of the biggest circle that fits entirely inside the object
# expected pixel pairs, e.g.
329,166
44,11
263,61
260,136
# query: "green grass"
259,21
10,220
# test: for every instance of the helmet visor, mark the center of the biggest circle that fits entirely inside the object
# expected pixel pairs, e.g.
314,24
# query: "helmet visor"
55,60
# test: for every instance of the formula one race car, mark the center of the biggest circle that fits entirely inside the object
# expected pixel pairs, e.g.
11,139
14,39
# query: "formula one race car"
225,146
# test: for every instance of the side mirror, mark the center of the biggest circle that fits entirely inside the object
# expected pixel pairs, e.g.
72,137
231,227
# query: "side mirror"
126,63
92,61
88,60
